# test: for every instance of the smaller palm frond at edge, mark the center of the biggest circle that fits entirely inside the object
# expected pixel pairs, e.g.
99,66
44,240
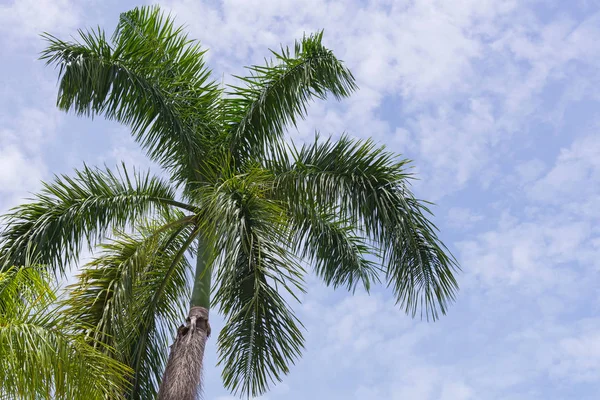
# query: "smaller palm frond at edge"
40,353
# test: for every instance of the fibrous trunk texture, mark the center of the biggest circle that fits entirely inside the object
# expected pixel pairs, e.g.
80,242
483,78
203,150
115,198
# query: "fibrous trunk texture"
181,380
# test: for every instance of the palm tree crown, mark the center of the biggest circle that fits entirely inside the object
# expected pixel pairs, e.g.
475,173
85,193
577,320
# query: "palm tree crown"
251,208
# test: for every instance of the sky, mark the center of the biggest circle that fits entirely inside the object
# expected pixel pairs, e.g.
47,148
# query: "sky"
495,101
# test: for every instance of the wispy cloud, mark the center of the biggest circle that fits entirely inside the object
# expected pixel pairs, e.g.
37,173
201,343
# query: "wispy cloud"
22,21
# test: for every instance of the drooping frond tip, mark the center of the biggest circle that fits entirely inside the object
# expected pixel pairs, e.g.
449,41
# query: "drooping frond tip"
357,183
261,337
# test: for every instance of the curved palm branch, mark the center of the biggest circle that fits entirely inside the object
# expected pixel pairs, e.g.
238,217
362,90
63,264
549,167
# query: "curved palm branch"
151,78
261,336
330,243
369,188
278,94
129,296
72,211
38,341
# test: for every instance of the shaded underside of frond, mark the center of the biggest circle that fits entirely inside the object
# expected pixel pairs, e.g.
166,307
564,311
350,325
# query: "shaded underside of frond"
323,237
71,212
254,268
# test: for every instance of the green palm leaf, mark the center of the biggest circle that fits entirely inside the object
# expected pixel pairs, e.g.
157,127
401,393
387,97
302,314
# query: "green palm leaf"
369,187
330,243
37,340
151,78
70,212
261,337
278,93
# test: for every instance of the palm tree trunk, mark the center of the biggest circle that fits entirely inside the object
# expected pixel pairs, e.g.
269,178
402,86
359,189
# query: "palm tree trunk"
183,374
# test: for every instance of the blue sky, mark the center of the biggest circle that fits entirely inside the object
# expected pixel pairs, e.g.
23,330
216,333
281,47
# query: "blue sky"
495,101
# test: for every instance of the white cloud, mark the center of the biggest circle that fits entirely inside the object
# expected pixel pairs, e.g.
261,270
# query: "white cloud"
462,218
578,357
22,164
558,228
26,19
532,255
123,148
19,175
530,170
575,176
456,391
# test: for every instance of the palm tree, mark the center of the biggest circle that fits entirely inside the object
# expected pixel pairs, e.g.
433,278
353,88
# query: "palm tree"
252,209
40,354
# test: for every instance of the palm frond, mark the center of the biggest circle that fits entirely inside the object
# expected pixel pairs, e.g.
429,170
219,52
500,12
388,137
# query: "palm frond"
420,268
132,294
40,355
261,337
72,211
278,93
329,242
369,187
152,78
